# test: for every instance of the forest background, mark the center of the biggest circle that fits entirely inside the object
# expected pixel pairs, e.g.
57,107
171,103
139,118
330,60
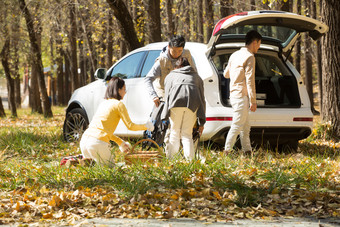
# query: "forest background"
58,45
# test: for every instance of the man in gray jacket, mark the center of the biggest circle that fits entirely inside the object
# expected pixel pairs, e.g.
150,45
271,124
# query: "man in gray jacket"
184,104
154,80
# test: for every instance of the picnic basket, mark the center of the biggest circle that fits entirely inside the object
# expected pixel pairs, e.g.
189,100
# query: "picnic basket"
144,156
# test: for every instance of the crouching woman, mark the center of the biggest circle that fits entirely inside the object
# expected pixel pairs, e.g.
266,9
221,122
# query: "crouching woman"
184,104
95,142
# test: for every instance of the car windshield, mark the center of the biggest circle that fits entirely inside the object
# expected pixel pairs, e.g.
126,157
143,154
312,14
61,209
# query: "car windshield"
282,35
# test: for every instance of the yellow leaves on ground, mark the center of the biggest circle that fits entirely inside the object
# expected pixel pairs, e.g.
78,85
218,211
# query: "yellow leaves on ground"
208,204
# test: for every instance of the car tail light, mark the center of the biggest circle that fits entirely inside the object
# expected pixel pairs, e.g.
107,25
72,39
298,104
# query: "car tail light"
219,119
302,119
219,24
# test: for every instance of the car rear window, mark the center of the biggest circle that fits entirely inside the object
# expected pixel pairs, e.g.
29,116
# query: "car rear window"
282,35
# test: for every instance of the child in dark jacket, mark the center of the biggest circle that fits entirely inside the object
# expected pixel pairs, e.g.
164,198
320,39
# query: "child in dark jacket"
184,104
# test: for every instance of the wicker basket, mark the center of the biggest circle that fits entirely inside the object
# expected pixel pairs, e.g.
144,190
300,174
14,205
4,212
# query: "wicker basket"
144,156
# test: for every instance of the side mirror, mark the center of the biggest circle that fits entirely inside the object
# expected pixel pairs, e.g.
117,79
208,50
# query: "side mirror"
100,73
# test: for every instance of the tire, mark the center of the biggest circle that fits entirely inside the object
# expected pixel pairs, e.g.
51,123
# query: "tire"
75,124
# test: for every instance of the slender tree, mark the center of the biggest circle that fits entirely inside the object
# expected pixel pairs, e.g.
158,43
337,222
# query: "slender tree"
10,82
227,8
318,55
15,60
200,35
2,110
73,45
36,59
298,42
252,5
210,18
186,18
170,19
109,39
284,5
308,62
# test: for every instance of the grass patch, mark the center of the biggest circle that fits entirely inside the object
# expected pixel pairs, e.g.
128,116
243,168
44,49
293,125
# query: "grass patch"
31,148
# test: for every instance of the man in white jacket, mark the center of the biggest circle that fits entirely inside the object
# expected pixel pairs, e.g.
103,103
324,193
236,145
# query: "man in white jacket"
241,71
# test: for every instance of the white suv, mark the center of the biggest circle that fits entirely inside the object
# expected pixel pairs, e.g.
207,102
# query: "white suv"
283,116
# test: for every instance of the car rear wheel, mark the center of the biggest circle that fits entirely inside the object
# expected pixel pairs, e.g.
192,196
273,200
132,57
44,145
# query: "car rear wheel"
75,124
291,146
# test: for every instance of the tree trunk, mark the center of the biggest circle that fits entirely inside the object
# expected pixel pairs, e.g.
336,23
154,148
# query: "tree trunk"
210,18
200,35
284,5
122,48
34,93
226,8
125,23
67,77
109,40
331,65
60,68
171,26
17,89
60,77
252,5
82,64
15,70
103,47
37,59
154,23
308,63
2,110
265,4
298,43
10,81
73,45
186,19
318,55
35,100
52,72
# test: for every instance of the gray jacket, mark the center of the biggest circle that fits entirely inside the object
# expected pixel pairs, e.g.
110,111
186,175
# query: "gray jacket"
163,65
184,88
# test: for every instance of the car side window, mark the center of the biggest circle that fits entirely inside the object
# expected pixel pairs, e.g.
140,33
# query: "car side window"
128,67
150,60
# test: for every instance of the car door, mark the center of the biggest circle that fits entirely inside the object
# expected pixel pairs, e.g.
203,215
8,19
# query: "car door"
139,103
133,69
128,69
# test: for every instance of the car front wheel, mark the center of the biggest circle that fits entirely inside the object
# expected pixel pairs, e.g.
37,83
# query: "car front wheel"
75,124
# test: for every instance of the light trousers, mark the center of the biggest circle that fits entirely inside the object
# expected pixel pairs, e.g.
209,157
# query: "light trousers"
97,150
182,121
240,124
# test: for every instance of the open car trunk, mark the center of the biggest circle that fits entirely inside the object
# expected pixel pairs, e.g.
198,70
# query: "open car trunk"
276,86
